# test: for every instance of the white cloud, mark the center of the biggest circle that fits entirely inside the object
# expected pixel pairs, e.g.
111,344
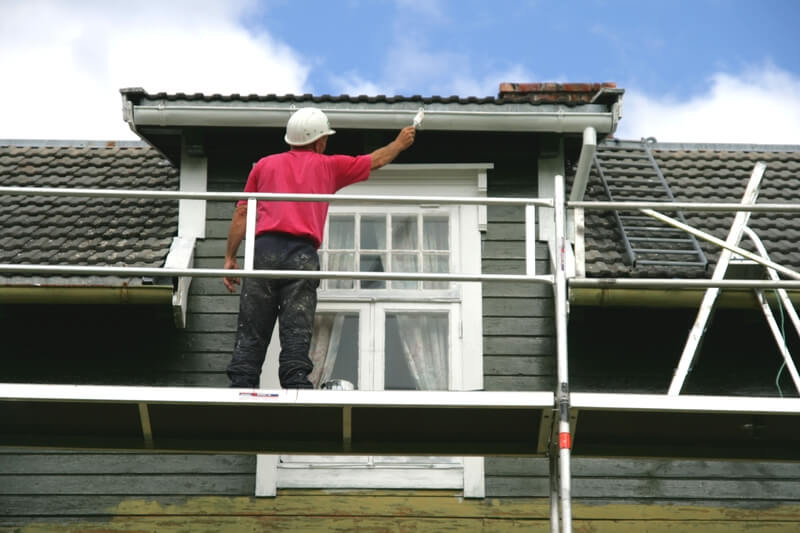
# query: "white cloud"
415,70
489,84
355,85
759,106
63,63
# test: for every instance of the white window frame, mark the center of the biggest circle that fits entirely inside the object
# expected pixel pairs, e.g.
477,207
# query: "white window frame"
462,302
452,212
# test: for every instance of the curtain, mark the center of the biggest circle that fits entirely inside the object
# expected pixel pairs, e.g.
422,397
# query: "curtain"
341,262
424,340
341,235
435,234
325,346
404,237
436,237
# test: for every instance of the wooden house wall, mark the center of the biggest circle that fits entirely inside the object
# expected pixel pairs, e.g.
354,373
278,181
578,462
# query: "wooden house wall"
519,355
76,491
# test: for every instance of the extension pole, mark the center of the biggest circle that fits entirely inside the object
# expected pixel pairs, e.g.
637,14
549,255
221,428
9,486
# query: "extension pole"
562,392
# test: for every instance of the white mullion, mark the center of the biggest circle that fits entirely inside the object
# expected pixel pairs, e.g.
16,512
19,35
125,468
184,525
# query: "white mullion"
420,249
325,249
356,237
378,336
454,381
387,253
455,235
357,248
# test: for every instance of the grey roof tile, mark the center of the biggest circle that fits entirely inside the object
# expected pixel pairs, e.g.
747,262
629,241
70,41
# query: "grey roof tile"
570,94
84,231
701,173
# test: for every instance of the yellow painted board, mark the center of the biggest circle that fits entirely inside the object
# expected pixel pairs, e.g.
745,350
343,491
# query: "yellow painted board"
435,505
392,525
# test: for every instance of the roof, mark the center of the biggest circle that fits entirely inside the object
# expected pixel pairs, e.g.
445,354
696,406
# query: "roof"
84,231
165,120
699,173
536,94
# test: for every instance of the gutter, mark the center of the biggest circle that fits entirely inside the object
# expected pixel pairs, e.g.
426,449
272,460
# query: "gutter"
669,298
146,295
127,116
560,120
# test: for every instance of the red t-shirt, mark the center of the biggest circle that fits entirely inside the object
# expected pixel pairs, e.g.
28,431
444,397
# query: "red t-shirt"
302,172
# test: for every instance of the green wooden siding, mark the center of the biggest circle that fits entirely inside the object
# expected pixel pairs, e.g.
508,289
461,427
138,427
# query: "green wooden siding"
518,328
66,491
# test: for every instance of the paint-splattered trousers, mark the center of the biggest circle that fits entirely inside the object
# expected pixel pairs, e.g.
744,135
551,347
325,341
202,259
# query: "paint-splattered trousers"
292,302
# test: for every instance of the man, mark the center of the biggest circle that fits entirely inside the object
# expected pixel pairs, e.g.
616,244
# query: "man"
288,235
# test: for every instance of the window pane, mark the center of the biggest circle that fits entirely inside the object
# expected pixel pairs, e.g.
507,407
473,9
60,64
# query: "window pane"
372,263
373,233
341,232
405,263
404,232
334,348
436,264
436,235
417,351
341,262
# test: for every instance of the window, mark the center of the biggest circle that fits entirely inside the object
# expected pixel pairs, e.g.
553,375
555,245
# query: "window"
394,335
398,241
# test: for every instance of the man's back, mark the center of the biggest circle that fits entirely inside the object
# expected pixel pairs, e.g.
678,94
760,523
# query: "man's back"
301,172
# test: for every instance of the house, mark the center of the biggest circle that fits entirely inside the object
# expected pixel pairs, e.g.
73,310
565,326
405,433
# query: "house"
494,336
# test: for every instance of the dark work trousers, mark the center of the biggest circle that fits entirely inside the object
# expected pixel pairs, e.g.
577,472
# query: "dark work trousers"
291,301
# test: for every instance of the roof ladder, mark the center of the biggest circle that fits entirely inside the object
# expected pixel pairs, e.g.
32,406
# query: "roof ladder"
635,176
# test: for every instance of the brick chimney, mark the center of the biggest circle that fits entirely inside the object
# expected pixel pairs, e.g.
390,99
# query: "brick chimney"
553,93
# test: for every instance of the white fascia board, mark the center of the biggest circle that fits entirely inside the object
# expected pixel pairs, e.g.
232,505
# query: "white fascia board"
181,257
584,164
193,178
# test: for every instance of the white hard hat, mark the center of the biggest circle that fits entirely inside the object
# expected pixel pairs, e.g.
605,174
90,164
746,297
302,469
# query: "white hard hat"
307,125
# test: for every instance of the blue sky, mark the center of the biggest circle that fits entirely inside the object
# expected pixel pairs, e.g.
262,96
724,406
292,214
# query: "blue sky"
663,48
702,70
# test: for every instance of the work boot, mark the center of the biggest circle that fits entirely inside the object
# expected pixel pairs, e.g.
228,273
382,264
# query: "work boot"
298,380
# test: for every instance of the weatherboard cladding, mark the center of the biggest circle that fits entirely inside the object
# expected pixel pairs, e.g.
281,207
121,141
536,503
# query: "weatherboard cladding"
84,231
700,173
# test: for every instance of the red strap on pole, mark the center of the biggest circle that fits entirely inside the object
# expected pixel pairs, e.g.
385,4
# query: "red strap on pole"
565,440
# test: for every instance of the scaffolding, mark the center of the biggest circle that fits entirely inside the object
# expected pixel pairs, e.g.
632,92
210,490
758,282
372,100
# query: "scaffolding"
530,423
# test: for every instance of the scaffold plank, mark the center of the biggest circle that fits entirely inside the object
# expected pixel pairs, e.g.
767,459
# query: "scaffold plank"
272,421
687,426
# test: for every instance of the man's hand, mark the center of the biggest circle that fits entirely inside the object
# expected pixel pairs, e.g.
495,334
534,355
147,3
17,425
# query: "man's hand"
406,137
230,283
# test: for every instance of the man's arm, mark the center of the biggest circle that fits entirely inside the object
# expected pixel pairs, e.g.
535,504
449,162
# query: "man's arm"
387,154
235,236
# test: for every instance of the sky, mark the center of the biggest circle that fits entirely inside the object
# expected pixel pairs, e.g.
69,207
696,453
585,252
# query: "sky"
711,71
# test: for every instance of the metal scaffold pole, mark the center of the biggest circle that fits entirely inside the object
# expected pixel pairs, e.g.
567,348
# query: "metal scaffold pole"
562,390
553,461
